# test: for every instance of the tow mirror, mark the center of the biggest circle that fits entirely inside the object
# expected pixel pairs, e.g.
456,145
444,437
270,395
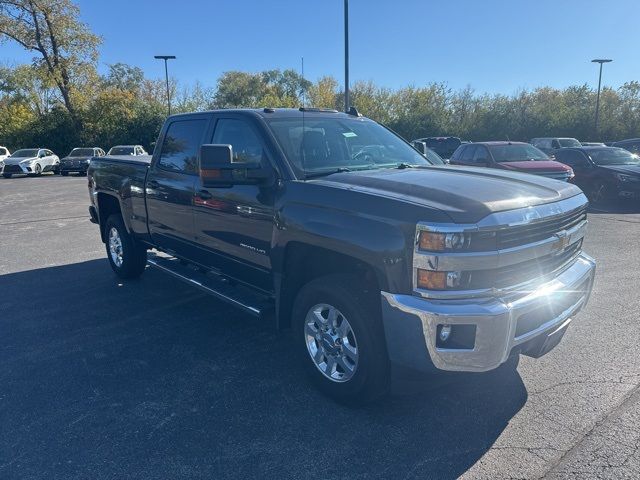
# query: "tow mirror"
218,168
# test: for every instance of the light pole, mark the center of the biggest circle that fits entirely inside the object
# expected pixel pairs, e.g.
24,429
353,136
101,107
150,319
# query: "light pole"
166,75
346,56
600,61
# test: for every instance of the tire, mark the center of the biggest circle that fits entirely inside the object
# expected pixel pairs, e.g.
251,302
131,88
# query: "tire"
64,174
6,175
126,257
366,376
37,170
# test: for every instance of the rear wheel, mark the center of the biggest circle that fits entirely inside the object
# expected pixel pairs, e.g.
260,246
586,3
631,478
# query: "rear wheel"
126,257
339,335
6,175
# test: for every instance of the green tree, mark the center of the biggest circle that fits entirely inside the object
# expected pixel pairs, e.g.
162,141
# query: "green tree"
65,46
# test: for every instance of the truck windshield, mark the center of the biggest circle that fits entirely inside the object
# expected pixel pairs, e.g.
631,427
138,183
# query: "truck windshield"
121,151
81,152
613,156
516,152
569,142
331,144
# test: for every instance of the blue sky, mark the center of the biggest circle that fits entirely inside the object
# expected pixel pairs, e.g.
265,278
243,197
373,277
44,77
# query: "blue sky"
494,46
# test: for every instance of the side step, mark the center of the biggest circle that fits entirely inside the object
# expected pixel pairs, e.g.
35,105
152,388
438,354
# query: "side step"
240,296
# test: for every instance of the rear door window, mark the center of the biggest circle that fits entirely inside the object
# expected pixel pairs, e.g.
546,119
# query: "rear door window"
180,146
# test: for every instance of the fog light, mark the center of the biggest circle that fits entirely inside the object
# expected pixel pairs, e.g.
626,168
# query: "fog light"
445,333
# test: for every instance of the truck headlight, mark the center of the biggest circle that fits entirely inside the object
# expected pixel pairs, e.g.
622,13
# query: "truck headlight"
439,242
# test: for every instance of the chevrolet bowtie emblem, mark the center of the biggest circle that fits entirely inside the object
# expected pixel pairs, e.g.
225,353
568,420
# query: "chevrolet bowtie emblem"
562,242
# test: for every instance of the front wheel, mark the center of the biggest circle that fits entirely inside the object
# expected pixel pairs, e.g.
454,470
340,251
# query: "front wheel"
6,175
339,335
126,257
38,170
64,174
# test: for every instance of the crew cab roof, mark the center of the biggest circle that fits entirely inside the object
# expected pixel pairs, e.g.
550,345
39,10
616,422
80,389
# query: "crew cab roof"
275,112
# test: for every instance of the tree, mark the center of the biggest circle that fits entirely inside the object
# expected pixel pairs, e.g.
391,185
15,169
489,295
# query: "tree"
50,28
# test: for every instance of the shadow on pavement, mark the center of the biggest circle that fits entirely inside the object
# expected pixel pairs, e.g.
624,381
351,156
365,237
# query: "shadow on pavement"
152,379
616,206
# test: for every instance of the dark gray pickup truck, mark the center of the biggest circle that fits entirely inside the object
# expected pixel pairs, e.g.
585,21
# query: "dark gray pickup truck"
332,225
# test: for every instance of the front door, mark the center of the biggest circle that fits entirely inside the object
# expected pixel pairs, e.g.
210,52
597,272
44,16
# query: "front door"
170,186
234,224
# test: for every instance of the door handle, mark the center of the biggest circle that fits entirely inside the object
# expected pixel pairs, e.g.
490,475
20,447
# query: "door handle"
204,194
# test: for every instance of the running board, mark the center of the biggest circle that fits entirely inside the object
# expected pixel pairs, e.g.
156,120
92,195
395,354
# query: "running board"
239,296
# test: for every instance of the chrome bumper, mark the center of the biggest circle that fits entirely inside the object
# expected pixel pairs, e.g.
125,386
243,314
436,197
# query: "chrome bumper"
411,323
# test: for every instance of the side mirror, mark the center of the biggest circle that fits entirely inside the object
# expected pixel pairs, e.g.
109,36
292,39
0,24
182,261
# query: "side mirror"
420,146
41,155
218,168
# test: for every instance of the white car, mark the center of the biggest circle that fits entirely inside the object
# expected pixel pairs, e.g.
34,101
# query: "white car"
4,153
120,150
30,161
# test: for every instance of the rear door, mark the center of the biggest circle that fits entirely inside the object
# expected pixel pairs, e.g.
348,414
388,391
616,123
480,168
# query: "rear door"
170,184
234,224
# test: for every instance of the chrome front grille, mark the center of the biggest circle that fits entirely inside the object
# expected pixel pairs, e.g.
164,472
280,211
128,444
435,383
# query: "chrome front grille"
532,245
540,230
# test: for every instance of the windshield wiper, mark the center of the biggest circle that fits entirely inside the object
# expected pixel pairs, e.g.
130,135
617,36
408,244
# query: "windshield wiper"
403,165
327,172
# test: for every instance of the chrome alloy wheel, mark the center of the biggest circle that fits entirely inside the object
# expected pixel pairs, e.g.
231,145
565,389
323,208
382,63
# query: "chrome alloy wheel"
331,342
115,247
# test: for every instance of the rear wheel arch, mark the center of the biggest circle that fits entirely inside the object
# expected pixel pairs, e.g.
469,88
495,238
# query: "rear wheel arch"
107,205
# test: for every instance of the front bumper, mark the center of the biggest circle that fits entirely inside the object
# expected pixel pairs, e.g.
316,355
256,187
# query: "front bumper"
17,169
530,322
74,167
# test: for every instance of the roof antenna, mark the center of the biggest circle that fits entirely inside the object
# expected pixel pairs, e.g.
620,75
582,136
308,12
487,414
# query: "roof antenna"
304,90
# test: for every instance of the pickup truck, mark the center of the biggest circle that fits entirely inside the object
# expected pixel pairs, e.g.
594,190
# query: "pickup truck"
331,225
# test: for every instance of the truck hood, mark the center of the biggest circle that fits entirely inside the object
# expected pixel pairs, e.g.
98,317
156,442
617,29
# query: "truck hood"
18,161
466,194
528,165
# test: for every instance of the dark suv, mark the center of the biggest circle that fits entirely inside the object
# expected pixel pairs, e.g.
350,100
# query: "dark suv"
515,156
632,145
604,173
443,146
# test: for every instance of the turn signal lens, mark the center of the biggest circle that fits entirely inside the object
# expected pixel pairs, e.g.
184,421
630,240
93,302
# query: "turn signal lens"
431,280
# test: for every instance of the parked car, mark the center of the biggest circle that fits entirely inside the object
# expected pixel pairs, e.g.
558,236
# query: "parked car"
549,145
30,161
604,173
4,153
372,255
78,160
430,155
631,144
592,144
515,156
133,150
443,146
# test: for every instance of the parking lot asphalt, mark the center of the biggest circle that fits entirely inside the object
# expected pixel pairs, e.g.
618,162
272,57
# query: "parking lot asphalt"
151,379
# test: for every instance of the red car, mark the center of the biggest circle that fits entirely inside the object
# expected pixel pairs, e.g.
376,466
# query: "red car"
516,156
